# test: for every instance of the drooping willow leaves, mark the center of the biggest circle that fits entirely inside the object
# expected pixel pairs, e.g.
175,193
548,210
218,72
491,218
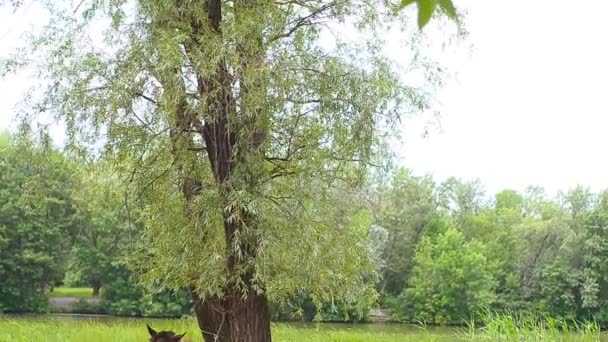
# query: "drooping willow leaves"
303,125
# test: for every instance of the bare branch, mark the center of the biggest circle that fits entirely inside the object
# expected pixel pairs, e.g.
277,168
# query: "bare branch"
281,174
78,6
356,160
144,96
303,21
303,101
197,149
136,93
320,72
277,158
281,207
140,120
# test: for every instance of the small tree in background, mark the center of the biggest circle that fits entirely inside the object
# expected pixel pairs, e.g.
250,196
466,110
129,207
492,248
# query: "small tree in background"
451,280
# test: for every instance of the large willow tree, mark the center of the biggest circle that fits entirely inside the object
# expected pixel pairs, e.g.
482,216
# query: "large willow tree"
244,137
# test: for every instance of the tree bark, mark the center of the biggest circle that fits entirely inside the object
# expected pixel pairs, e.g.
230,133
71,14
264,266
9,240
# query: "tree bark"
96,288
233,319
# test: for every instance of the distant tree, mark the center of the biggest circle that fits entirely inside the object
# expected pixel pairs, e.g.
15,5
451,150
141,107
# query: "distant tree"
495,228
451,281
461,199
538,243
594,289
106,233
407,210
560,286
578,201
537,205
602,201
36,217
509,200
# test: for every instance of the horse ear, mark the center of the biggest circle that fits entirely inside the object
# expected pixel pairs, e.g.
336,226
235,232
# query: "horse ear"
151,331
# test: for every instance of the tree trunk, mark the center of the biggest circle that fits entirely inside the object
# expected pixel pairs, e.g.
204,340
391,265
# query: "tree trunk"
234,319
96,287
231,318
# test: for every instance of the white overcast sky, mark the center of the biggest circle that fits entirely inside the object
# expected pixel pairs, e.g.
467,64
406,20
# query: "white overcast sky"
528,106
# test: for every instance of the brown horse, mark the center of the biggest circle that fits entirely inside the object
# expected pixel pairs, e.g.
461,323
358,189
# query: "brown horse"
164,336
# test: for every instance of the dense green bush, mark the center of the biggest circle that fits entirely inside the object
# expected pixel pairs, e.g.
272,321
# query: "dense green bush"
125,297
450,282
84,306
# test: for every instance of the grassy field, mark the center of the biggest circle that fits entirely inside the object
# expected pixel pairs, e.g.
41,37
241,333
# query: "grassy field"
62,329
56,329
80,292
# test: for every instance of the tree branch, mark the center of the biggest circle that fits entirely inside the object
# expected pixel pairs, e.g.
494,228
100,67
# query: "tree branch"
135,93
197,149
303,21
359,160
144,96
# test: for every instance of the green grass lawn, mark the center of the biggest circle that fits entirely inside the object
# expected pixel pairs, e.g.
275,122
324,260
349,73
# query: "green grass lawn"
80,292
67,329
61,329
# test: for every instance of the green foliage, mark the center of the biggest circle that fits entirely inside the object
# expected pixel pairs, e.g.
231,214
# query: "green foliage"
595,279
235,149
461,199
105,234
426,9
532,254
302,308
509,200
123,296
233,158
36,218
406,211
57,218
451,280
560,295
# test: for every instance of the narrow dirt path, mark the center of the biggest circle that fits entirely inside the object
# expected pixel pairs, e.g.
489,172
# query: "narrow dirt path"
67,303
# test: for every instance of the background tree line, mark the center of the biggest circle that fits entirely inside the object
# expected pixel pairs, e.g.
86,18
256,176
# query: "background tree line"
64,223
450,252
444,251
